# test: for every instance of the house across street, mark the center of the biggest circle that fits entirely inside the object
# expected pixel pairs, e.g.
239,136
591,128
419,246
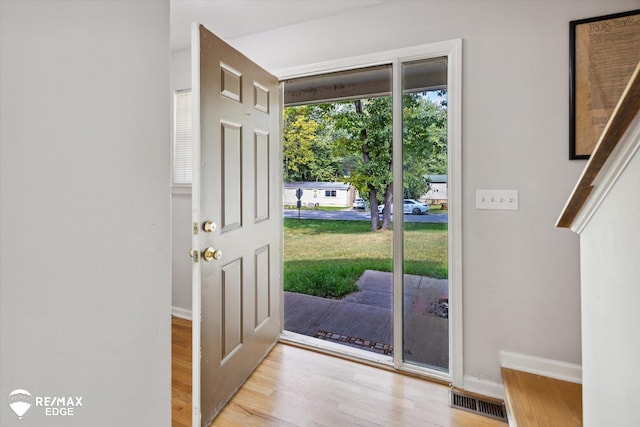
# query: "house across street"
319,193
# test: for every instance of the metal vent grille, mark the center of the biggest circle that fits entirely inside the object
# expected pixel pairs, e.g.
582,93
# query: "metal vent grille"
468,403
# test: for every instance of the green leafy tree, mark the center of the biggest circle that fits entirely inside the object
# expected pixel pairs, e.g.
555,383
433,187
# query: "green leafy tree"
308,144
326,142
424,143
367,125
298,136
367,130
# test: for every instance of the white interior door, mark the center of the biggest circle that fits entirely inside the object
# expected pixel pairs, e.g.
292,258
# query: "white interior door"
237,226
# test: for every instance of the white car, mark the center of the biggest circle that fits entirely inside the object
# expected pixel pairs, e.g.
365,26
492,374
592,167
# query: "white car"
359,203
410,206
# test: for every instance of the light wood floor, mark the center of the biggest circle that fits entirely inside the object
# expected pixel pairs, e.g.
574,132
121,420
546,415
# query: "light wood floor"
180,372
297,387
535,400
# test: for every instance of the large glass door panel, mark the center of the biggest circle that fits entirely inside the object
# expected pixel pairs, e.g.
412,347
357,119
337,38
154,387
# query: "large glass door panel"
337,168
425,287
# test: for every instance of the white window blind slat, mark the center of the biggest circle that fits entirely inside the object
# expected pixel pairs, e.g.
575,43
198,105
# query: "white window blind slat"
182,152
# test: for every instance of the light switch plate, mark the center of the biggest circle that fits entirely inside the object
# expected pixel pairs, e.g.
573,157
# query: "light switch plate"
497,199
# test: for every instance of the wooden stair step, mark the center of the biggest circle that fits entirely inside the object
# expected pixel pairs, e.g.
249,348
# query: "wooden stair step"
536,400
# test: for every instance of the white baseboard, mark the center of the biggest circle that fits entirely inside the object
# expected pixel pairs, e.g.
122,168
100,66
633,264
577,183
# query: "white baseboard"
537,365
484,387
182,313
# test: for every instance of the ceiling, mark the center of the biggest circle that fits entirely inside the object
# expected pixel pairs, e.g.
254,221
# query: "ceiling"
236,18
231,19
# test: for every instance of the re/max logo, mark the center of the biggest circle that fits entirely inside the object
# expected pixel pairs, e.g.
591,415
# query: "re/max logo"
58,401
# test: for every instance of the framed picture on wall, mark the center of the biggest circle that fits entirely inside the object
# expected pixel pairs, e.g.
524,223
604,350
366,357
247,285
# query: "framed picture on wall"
604,51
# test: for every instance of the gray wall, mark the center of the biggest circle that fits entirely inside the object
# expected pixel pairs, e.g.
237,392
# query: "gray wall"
521,274
84,248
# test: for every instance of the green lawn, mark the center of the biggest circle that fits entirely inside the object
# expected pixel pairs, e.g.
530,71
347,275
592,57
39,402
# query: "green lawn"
325,258
437,209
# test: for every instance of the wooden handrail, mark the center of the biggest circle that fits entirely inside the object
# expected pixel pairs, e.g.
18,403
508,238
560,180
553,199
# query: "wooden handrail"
622,116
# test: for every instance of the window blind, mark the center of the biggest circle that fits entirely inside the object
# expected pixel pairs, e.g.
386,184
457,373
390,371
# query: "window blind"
182,152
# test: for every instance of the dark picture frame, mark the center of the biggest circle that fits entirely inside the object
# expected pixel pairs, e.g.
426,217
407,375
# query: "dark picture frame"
603,52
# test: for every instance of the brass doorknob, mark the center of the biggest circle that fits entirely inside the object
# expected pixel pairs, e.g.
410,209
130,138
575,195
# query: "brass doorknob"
210,253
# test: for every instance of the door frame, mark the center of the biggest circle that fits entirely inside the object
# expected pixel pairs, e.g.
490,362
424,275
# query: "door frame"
452,49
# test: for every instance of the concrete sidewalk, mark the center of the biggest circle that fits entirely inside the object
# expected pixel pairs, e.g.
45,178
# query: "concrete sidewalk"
364,318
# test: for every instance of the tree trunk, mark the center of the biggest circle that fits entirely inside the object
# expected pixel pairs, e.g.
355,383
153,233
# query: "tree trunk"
373,193
373,202
386,213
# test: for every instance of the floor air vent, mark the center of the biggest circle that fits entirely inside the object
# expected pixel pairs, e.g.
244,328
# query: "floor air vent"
495,410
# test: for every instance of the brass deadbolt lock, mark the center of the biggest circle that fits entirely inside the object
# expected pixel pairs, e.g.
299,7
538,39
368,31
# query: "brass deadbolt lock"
209,226
210,253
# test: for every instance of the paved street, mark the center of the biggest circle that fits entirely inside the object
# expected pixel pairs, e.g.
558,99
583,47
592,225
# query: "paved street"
358,215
